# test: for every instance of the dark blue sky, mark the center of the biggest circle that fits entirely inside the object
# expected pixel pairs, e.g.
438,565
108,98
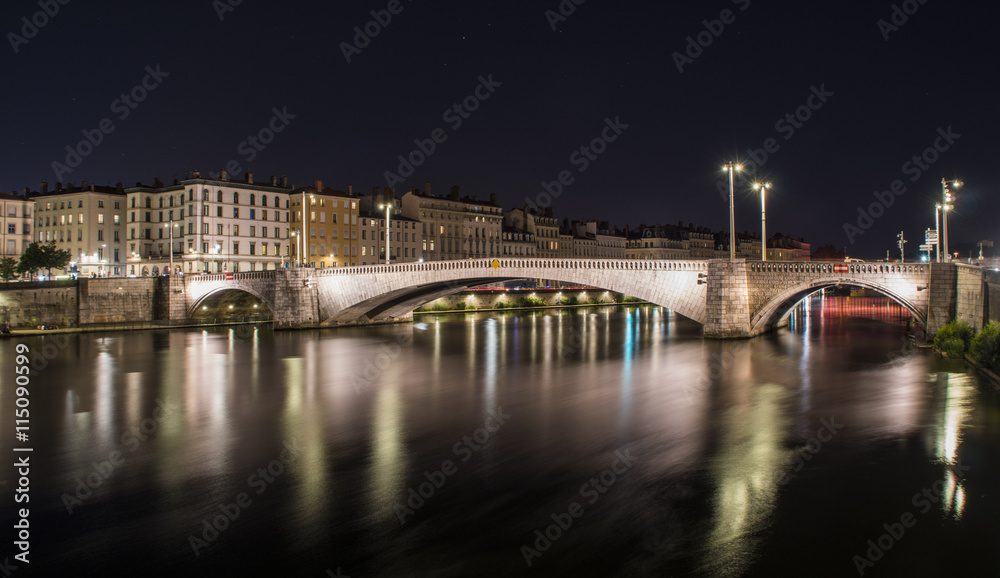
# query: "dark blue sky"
885,101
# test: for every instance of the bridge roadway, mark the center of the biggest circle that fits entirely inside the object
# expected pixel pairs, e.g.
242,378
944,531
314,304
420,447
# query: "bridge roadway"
732,299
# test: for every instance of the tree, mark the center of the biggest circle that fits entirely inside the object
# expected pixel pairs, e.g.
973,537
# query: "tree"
40,255
828,253
8,268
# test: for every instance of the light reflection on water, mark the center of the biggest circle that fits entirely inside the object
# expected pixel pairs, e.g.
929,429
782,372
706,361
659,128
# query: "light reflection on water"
714,425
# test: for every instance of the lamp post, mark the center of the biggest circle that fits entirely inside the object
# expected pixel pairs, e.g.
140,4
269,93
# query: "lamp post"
937,231
387,232
298,246
946,206
730,168
170,234
304,224
762,187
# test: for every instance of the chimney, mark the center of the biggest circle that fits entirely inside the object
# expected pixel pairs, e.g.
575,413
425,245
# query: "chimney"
318,185
119,188
44,188
196,174
475,198
274,181
249,178
284,182
350,190
455,192
26,191
493,198
69,186
427,188
156,183
223,175
58,186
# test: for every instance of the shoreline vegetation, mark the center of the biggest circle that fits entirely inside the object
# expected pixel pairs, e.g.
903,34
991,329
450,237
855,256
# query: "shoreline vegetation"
958,340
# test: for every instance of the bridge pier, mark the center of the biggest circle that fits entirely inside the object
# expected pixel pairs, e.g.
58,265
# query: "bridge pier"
727,307
296,299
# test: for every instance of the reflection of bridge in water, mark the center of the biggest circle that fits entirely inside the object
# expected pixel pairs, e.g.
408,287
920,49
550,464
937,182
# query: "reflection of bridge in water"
730,298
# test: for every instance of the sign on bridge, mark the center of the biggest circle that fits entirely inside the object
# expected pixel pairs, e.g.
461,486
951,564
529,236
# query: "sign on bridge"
840,268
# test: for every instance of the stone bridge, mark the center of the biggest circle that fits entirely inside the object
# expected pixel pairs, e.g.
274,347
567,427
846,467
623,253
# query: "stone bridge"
731,299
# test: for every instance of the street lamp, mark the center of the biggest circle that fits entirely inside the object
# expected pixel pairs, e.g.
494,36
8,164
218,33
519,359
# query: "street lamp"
170,230
946,206
304,221
732,213
387,232
762,187
299,247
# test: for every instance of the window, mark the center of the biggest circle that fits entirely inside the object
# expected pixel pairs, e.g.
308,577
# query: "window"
263,215
263,231
322,233
263,248
161,201
236,212
161,216
204,210
364,235
117,219
236,230
252,213
161,232
148,216
253,201
190,211
100,203
116,255
218,229
100,234
236,248
253,231
236,198
204,228
62,219
263,200
116,237
80,220
27,229
333,218
322,217
253,248
218,197
333,233
132,234
11,228
149,202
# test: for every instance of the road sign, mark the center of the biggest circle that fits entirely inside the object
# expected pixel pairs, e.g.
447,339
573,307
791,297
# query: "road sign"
840,268
495,264
930,237
927,248
229,276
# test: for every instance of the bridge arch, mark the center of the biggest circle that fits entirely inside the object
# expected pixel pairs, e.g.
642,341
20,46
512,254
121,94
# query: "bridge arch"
380,292
770,315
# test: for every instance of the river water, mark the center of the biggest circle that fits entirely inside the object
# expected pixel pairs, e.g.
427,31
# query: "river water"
582,442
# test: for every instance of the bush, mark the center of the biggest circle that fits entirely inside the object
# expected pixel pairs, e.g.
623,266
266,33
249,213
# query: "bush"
959,331
439,307
952,347
985,347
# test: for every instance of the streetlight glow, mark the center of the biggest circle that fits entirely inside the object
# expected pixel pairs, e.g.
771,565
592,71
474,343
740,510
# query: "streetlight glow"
731,168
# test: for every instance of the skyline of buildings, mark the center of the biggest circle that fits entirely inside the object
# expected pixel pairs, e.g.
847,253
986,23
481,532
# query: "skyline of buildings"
220,224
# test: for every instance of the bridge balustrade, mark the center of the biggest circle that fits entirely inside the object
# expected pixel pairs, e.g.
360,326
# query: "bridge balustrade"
864,268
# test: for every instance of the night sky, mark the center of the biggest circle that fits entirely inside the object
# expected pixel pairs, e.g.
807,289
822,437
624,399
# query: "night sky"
556,83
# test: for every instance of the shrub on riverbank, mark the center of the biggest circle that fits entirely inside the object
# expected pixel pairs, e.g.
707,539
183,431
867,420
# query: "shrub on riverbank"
954,338
985,347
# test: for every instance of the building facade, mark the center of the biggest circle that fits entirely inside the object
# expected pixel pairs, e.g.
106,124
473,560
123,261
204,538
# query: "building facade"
16,225
88,222
329,237
455,227
207,225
